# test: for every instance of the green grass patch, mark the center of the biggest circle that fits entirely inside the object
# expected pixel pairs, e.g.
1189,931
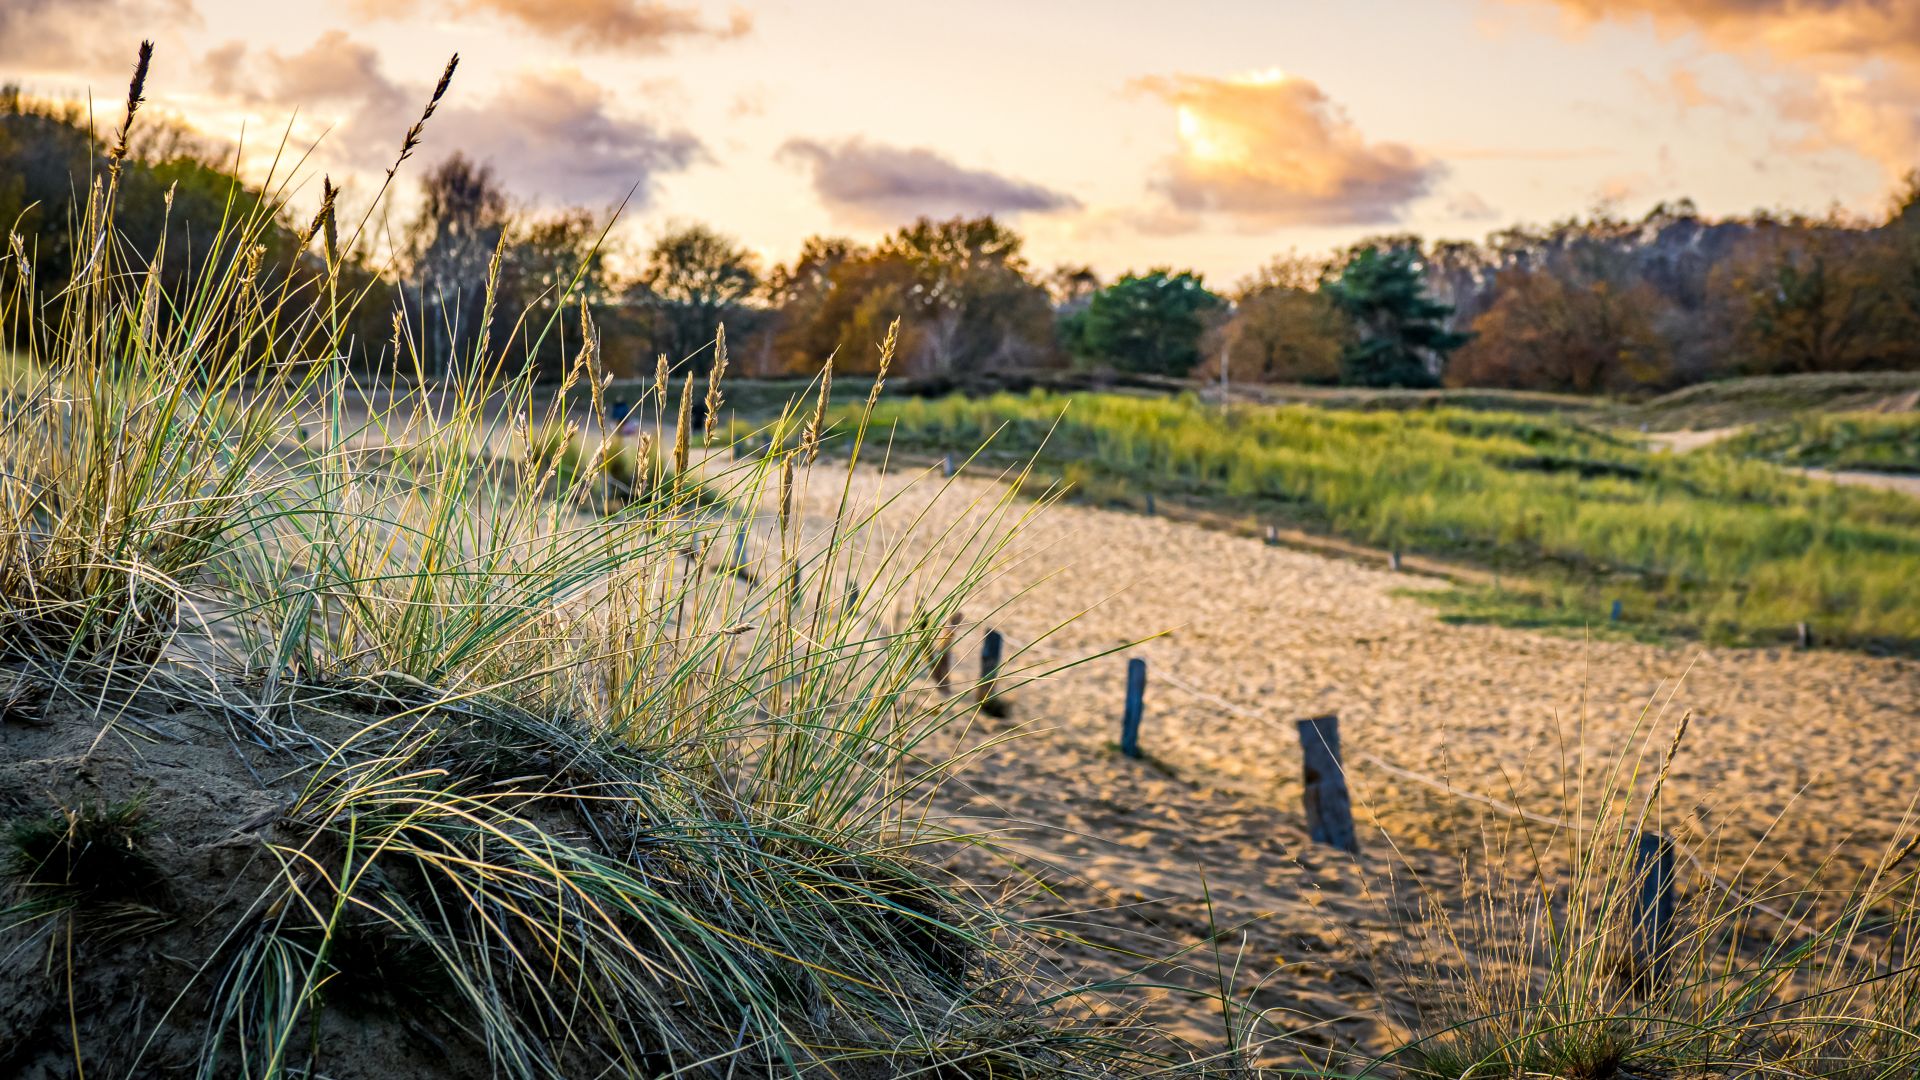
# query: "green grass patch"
1878,442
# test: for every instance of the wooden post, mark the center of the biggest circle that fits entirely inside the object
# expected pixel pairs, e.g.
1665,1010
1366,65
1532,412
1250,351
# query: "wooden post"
990,650
1805,635
1615,616
946,465
1273,536
1149,504
1652,930
1393,560
1136,705
1329,810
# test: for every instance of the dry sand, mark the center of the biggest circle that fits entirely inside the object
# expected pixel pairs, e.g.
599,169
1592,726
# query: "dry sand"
1815,751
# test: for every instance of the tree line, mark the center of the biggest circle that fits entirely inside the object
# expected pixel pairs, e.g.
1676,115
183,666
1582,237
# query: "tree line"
1600,304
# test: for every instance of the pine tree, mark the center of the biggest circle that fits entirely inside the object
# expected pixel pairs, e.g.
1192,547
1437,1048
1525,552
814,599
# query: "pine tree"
1401,337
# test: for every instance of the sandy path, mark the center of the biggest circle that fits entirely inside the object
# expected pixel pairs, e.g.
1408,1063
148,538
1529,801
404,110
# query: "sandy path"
1816,745
1682,442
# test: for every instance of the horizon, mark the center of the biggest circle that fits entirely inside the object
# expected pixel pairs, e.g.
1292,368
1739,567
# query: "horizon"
1216,140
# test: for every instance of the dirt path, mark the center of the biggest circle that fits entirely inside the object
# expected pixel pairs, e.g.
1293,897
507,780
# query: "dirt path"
1815,746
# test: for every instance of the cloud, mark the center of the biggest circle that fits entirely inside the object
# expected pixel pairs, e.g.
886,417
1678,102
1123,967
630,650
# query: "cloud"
1854,65
1272,149
556,134
867,183
646,26
62,36
548,134
1469,206
1855,29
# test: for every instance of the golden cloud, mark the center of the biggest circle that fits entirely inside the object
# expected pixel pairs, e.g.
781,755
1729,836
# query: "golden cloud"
1271,149
1857,62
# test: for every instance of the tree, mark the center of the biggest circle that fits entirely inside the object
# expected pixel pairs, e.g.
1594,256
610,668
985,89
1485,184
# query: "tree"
959,288
1148,322
1583,333
550,265
1284,327
1401,337
694,280
973,304
463,215
1808,299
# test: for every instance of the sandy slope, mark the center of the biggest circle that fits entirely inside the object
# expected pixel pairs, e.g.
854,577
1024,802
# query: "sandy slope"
1818,746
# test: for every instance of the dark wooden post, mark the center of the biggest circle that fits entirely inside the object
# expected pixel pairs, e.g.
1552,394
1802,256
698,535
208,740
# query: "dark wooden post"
1652,930
1150,507
1136,706
1805,635
990,650
1329,810
1393,560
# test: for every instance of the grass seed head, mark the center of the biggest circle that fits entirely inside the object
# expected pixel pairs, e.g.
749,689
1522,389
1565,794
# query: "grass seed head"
136,96
683,430
714,375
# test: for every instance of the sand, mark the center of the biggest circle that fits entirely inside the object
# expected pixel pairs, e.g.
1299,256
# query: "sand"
1813,751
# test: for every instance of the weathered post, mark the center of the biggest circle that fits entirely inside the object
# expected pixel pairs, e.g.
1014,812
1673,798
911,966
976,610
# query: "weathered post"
1393,560
946,465
1652,930
1136,706
1615,615
1329,810
1150,507
1805,635
1273,536
990,650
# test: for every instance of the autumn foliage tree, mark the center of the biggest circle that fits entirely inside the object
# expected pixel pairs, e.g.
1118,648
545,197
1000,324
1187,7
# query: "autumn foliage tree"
1580,333
961,289
1284,327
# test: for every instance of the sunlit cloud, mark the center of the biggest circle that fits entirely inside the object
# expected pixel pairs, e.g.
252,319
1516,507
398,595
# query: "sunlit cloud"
1272,149
1855,64
866,183
629,26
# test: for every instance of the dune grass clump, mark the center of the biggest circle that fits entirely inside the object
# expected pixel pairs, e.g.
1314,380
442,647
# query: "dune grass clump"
1877,442
1700,544
477,742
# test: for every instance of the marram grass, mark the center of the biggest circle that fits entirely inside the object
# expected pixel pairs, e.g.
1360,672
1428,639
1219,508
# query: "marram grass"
575,764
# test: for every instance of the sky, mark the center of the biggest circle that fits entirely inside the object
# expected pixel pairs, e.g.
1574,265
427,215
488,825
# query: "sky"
1125,134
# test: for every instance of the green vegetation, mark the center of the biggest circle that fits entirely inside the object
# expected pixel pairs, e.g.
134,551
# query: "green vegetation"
1872,441
1700,544
1143,322
1400,336
1762,399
